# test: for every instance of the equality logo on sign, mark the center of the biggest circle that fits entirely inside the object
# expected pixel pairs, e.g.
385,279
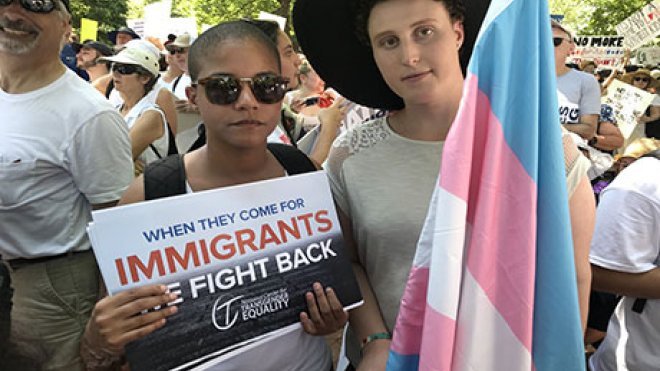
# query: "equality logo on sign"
222,315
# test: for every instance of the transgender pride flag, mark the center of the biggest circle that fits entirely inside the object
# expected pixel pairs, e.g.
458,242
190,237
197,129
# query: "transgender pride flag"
493,282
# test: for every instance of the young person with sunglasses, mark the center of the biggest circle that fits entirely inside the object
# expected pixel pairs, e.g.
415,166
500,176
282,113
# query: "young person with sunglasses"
578,92
291,126
238,87
134,75
64,151
406,57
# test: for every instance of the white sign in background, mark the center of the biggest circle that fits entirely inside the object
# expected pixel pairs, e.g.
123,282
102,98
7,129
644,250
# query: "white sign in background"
628,103
641,27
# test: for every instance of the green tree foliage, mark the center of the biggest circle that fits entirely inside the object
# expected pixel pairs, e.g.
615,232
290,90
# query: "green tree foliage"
595,17
111,14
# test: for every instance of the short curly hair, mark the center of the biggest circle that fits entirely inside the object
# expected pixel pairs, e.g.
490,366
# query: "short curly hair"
362,10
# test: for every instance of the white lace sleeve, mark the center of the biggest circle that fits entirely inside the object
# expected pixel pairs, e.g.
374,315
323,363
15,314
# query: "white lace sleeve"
333,165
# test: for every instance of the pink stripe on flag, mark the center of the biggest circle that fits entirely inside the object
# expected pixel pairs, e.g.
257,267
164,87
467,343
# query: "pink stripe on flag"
406,339
505,270
438,341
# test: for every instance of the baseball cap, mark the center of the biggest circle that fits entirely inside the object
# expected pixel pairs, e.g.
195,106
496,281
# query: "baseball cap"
103,49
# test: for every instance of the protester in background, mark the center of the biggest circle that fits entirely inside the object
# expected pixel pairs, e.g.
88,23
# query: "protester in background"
159,95
68,56
578,92
172,74
625,255
121,36
311,94
87,56
588,66
178,50
63,152
134,74
382,173
239,116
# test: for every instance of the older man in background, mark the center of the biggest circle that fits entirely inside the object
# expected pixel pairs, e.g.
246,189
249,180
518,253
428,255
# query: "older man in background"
63,152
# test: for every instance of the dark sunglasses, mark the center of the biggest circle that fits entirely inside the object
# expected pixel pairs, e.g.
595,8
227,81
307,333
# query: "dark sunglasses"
267,88
35,6
642,79
558,40
125,69
176,50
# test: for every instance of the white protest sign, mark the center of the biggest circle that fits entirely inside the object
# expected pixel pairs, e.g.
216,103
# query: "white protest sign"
241,259
157,18
641,27
647,55
136,25
180,26
628,103
598,47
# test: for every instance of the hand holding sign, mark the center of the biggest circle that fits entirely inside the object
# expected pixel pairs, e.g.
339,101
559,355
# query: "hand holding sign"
119,319
326,314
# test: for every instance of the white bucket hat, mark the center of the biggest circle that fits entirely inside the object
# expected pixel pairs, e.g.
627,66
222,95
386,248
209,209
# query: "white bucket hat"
136,56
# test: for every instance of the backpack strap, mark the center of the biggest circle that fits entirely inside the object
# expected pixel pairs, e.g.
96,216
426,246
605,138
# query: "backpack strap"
176,83
164,178
292,159
108,89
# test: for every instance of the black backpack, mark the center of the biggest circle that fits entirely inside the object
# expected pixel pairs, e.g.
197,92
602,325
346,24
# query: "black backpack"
167,177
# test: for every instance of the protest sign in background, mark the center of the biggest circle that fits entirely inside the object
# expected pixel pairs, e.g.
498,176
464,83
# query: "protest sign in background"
641,27
88,29
628,103
603,50
241,259
647,56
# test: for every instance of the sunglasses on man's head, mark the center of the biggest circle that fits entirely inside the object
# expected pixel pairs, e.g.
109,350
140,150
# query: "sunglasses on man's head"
558,40
176,50
268,88
642,79
35,6
125,69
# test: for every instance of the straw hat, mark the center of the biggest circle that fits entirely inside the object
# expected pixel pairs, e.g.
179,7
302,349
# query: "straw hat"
640,147
630,76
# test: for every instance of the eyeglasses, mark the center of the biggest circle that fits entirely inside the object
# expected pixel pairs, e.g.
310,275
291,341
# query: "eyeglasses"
176,50
222,89
642,79
125,69
558,40
34,6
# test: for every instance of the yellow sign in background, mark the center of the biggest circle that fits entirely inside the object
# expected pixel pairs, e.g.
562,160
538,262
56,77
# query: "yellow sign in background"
88,29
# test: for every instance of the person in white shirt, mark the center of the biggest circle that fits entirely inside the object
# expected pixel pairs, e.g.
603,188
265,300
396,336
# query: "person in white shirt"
625,256
63,152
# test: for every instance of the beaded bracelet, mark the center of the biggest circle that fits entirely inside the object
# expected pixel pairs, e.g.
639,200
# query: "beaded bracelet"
376,336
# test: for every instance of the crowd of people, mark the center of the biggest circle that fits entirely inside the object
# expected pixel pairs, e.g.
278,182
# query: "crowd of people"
232,107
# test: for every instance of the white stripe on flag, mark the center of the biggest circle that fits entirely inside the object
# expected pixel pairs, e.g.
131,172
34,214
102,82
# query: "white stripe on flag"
484,341
447,252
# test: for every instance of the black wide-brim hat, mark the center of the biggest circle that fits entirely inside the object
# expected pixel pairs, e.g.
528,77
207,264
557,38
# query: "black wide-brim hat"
326,32
112,35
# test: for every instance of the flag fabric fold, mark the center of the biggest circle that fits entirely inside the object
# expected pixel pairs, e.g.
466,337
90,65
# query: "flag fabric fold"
492,285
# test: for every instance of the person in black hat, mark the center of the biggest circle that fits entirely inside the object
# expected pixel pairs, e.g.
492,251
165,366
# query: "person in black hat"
87,56
407,57
121,36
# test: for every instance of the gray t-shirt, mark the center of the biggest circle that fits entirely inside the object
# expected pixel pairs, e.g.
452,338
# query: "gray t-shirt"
579,95
384,182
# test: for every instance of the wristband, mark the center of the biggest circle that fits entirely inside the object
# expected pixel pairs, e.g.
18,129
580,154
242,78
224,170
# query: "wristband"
376,336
